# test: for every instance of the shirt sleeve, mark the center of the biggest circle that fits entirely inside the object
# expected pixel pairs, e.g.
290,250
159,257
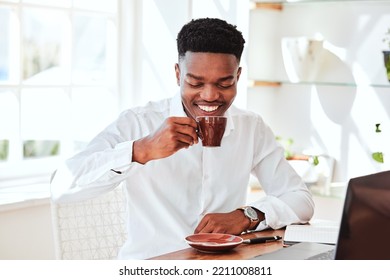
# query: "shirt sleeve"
287,199
83,177
101,167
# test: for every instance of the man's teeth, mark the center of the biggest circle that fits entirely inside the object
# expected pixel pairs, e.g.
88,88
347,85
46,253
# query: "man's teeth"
208,108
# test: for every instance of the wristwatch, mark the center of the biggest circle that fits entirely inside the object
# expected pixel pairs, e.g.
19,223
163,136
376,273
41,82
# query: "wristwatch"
251,214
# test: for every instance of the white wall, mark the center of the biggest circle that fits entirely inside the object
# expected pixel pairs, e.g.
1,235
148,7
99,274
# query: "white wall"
26,232
336,119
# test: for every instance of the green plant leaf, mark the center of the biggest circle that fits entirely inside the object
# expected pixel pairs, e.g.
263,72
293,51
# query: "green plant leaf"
378,156
316,161
377,129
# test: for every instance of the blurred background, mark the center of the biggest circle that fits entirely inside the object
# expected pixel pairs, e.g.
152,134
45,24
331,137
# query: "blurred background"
314,70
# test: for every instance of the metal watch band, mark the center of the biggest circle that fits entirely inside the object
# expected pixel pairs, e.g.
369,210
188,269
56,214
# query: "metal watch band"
253,220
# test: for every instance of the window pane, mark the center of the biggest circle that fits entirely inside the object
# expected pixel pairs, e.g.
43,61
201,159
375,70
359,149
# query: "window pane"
40,148
45,114
4,44
8,45
9,125
45,46
57,3
4,149
9,122
92,110
97,5
9,115
94,59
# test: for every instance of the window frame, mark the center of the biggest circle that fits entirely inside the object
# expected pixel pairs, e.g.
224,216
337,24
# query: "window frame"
17,170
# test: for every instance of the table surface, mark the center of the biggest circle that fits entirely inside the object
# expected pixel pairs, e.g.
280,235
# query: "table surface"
241,252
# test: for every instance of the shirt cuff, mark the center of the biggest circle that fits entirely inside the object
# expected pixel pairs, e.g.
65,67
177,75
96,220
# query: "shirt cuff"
123,153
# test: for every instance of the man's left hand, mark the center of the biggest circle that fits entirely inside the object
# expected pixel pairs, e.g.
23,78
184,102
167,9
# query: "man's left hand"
233,222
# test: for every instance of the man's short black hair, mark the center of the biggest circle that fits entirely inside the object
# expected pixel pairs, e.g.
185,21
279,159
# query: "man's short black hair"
210,35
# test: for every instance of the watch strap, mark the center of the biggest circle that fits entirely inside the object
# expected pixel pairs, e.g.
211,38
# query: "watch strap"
253,219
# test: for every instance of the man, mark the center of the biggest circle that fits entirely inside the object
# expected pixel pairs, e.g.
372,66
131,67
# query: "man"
174,185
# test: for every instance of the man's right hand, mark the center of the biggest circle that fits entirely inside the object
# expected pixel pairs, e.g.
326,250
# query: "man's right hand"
174,134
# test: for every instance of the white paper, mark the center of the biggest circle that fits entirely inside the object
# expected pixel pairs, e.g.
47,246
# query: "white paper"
319,231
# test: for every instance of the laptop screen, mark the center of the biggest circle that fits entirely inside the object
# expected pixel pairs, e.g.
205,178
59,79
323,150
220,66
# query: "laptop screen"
365,222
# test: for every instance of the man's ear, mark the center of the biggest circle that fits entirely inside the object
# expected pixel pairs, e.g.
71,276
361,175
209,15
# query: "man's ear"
238,73
177,71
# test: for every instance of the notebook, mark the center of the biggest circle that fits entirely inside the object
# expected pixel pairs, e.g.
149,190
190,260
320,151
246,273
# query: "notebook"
364,227
318,231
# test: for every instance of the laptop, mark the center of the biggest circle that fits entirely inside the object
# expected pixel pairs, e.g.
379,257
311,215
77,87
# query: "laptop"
364,227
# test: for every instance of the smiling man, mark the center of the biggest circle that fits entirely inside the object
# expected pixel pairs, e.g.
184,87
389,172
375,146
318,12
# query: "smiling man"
174,185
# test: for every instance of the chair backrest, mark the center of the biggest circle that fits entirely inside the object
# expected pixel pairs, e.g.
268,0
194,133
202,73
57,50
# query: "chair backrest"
92,229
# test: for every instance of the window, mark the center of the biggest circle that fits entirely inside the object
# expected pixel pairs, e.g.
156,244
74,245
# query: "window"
58,80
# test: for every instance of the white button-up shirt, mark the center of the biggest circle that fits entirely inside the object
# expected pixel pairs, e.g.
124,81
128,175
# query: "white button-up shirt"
167,198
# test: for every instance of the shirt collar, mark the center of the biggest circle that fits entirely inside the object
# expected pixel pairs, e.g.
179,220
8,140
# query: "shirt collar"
176,109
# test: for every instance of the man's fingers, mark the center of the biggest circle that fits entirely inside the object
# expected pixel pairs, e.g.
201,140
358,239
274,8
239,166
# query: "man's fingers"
185,129
184,121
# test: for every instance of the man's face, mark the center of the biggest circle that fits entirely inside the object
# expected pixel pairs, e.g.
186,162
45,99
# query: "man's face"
208,82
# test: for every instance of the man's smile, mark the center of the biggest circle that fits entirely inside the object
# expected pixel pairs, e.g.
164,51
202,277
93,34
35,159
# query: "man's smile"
207,108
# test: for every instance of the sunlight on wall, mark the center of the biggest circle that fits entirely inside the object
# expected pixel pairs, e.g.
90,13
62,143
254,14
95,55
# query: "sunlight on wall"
369,110
326,134
341,53
220,9
351,92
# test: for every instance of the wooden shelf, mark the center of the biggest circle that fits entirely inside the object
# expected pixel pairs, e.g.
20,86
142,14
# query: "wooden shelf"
278,6
264,83
256,83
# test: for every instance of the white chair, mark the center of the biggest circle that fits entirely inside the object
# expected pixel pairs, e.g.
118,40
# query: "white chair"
90,230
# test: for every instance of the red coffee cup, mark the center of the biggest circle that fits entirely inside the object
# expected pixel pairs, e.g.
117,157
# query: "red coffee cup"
211,129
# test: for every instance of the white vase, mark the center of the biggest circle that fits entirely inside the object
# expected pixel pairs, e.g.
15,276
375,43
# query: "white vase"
302,58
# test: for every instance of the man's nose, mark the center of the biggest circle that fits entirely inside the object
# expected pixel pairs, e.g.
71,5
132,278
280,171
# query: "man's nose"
209,93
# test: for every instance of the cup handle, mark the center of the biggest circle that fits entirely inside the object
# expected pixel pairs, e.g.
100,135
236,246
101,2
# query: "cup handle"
199,132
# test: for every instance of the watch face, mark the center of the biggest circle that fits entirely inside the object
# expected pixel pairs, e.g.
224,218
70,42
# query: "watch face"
251,213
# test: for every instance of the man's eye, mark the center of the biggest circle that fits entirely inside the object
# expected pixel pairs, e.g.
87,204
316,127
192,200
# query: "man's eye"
225,85
195,85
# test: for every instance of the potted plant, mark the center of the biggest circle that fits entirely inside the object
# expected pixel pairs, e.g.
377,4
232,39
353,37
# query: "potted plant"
378,156
386,53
